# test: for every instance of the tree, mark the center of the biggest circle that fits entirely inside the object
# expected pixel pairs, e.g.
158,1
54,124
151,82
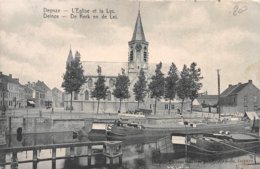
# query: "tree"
183,87
195,85
121,87
171,84
156,86
140,90
100,90
73,78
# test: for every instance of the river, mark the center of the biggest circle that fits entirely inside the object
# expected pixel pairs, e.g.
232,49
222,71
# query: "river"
135,156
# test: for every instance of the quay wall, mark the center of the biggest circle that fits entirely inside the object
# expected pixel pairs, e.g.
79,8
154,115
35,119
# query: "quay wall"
43,124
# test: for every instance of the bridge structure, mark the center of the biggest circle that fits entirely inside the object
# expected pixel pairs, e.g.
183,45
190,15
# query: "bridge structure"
111,150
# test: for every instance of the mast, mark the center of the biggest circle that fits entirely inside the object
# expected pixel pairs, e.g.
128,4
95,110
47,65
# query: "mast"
218,93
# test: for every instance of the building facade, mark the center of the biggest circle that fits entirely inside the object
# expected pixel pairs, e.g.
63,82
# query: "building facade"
12,92
240,98
57,98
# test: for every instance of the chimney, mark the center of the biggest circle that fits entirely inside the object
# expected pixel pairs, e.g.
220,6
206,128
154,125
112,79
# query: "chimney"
1,73
250,81
10,75
230,85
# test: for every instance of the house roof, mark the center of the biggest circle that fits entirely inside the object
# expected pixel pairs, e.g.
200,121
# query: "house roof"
233,89
55,89
42,85
9,79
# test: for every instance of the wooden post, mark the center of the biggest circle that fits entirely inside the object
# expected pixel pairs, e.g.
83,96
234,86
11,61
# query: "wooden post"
89,155
35,159
111,160
10,125
72,152
53,158
120,160
14,162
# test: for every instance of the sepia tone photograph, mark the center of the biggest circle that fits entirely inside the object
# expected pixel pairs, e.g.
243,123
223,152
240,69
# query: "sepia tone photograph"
129,84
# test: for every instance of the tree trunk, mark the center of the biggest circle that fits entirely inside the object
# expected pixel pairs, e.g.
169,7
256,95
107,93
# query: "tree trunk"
120,106
155,102
138,105
191,106
182,101
70,101
169,112
98,106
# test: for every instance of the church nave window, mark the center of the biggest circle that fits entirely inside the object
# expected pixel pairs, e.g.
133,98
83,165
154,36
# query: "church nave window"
90,83
108,96
86,95
111,83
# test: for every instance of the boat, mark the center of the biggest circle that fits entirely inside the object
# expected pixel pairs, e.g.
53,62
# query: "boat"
125,129
215,145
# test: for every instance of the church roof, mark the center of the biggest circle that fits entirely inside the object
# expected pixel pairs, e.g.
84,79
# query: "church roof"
138,32
107,68
112,69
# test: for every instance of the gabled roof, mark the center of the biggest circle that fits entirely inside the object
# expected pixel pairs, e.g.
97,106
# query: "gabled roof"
233,89
238,88
138,34
228,90
55,89
42,85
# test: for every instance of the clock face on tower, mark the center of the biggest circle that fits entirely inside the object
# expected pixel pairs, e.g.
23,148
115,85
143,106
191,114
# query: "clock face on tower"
138,47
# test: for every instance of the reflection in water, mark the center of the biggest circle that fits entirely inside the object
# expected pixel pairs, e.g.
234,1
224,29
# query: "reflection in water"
136,155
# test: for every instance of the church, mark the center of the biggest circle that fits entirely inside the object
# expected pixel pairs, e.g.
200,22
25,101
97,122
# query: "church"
138,58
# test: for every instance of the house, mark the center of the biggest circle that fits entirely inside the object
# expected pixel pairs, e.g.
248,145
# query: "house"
57,97
12,92
47,92
38,94
240,98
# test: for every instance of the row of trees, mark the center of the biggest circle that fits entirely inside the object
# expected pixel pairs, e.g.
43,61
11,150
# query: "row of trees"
185,85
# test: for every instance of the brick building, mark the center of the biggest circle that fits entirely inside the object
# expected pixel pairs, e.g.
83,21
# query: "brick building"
240,98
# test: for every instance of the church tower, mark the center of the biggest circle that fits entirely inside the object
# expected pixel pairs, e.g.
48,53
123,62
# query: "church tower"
138,50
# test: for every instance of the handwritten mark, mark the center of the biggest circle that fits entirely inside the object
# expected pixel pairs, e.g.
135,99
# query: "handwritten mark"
239,9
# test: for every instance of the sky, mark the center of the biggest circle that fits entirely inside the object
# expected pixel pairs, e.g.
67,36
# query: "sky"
215,35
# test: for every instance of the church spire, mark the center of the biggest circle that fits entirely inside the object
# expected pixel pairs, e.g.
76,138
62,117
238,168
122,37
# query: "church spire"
138,32
70,57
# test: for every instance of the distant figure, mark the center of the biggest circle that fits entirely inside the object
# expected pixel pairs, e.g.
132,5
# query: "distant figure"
178,111
52,110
